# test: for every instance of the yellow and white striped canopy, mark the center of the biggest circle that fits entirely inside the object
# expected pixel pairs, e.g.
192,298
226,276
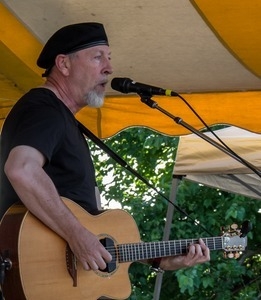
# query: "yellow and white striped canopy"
209,51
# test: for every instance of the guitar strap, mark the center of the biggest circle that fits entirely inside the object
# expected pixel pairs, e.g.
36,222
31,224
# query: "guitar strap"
112,154
124,164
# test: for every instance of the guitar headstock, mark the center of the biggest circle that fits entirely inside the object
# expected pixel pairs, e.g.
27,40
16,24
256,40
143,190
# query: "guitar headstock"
235,239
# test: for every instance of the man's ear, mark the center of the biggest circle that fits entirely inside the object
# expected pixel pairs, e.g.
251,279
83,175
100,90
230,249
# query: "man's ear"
62,63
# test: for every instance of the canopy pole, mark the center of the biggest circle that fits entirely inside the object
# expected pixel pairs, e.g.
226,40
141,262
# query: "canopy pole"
167,229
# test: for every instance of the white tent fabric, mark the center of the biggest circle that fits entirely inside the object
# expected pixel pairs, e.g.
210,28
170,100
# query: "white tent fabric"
199,161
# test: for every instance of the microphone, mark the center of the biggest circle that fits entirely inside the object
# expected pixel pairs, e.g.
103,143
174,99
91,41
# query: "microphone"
127,85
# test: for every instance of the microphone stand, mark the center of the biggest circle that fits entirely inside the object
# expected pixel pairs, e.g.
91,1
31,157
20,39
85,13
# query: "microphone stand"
151,103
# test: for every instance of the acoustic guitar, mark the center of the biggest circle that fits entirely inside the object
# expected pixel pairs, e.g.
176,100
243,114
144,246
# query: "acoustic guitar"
41,265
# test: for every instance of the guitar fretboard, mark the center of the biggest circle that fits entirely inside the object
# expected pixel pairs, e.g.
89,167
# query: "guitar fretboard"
142,251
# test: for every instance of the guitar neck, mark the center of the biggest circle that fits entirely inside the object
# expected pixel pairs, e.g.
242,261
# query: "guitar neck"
143,251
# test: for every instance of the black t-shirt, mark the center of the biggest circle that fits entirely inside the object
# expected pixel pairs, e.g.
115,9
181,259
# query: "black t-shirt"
40,120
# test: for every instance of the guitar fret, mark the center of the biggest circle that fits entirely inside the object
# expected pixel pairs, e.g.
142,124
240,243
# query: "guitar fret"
125,252
142,252
178,250
128,252
146,248
157,252
169,247
164,253
155,249
132,254
137,253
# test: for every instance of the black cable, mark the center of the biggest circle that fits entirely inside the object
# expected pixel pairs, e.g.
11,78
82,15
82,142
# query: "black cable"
244,162
120,161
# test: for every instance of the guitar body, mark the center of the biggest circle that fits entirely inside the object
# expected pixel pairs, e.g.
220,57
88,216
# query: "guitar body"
38,256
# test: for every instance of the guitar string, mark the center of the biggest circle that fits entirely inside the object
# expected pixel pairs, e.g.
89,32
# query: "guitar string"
157,249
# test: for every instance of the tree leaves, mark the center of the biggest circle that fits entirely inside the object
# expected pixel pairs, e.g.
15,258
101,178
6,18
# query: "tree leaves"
153,156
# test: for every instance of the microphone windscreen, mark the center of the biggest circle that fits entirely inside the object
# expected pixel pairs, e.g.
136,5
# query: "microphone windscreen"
120,84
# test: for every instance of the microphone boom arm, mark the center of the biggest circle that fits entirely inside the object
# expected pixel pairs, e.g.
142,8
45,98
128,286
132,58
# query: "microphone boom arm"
153,104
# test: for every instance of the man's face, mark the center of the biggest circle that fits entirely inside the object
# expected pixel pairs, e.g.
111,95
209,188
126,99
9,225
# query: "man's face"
89,70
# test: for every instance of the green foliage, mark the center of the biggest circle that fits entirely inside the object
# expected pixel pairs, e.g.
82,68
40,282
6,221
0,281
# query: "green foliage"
153,156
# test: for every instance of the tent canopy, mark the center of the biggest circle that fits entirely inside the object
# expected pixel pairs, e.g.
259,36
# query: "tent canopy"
239,109
208,51
201,162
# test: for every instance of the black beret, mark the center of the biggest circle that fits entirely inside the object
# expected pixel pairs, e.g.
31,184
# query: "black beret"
69,39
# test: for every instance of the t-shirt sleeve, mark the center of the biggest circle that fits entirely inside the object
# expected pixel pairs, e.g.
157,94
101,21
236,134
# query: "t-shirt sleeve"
41,129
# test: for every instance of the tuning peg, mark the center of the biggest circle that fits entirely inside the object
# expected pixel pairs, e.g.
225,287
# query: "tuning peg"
230,255
234,227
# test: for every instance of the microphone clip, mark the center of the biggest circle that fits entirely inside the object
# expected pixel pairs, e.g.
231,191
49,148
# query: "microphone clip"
146,98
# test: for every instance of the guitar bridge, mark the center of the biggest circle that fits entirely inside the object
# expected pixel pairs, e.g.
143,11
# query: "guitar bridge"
71,263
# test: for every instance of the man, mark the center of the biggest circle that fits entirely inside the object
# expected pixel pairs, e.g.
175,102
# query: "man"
45,156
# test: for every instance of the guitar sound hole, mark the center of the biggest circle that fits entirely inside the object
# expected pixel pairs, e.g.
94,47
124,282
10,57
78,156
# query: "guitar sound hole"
109,245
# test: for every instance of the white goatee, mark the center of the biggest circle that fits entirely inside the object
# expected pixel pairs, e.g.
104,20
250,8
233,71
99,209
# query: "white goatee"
93,99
